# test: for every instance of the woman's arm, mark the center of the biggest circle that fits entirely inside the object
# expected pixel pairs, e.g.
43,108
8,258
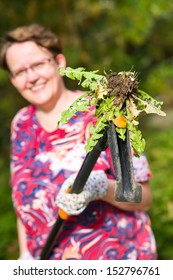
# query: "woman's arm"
129,206
23,250
21,237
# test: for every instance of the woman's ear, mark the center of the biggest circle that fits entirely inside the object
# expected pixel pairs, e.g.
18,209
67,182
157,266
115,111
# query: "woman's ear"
60,60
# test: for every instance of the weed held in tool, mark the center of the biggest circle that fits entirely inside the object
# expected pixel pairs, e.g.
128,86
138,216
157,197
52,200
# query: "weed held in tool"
117,99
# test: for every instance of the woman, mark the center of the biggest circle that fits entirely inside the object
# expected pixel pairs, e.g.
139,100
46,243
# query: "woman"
45,158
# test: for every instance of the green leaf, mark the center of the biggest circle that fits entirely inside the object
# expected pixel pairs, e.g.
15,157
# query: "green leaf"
105,112
79,105
150,104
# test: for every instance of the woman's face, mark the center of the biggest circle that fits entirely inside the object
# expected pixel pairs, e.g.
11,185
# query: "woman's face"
34,72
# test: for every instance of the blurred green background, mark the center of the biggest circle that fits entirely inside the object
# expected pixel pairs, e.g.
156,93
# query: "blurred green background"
104,35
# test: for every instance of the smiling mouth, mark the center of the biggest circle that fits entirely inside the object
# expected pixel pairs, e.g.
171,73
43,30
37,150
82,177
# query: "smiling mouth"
37,87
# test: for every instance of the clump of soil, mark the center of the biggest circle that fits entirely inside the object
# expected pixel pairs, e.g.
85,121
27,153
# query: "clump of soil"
121,85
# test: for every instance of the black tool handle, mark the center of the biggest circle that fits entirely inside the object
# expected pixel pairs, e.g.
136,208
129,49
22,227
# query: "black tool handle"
127,189
77,187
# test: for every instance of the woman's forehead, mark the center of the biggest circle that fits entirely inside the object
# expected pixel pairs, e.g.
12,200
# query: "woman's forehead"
25,52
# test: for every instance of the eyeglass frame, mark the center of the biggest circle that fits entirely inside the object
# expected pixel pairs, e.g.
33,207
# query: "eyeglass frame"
33,67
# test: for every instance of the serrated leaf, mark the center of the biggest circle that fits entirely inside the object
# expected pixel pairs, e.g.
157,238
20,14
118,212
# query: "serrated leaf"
106,111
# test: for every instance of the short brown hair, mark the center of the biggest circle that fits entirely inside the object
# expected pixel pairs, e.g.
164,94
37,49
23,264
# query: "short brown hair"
34,32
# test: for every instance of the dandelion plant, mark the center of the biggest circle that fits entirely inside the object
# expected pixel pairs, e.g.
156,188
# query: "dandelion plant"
117,98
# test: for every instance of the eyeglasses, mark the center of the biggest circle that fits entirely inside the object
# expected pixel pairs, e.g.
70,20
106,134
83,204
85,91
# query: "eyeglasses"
39,67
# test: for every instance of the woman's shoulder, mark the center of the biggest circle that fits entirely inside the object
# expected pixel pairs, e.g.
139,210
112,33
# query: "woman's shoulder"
75,94
23,116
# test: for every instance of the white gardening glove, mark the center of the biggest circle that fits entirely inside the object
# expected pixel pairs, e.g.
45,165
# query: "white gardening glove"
26,256
95,188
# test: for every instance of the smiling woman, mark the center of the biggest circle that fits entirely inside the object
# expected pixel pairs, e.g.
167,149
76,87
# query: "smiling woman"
33,71
45,160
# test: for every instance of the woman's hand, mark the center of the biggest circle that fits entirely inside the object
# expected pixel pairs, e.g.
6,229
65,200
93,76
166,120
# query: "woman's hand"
95,188
144,205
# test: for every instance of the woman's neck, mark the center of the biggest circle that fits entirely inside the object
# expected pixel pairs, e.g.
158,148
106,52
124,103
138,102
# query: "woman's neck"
49,115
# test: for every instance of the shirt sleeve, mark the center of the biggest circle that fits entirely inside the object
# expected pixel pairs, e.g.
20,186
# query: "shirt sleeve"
141,168
20,140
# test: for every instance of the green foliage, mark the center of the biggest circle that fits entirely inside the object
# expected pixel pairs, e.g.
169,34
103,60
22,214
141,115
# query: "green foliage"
160,155
128,106
8,233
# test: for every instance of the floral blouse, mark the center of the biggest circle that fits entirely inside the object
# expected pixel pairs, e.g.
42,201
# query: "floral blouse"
40,162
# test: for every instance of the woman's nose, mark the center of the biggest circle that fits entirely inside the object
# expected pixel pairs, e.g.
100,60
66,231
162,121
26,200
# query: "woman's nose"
31,75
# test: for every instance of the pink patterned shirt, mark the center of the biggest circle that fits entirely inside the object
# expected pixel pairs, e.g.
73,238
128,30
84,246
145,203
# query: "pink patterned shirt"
41,161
